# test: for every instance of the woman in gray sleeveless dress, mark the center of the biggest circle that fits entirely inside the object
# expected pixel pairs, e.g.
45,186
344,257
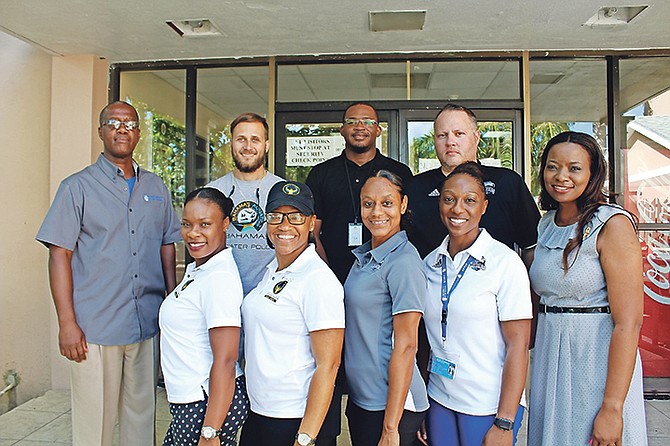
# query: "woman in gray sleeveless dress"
586,375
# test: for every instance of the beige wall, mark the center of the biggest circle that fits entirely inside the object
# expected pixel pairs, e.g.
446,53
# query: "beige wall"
79,92
25,306
48,119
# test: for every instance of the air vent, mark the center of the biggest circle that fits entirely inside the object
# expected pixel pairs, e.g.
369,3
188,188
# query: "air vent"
397,20
614,15
194,28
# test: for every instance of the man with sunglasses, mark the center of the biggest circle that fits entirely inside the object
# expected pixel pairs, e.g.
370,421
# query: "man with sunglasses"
111,231
336,184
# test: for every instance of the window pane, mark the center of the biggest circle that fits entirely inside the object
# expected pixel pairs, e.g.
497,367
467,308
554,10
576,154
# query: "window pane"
341,82
223,94
566,94
159,99
645,99
495,145
310,144
465,80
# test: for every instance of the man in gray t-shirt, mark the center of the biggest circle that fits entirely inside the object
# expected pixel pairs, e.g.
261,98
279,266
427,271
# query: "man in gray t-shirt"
248,186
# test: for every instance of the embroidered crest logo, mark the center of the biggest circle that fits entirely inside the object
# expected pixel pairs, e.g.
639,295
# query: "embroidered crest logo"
279,286
291,189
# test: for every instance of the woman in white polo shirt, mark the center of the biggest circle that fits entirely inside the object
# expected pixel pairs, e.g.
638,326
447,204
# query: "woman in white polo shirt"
293,328
200,331
477,317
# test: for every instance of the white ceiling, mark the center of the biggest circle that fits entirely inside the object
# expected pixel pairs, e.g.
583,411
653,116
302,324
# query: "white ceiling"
123,31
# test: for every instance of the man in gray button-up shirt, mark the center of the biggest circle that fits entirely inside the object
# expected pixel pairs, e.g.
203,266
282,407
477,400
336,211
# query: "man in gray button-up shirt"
110,232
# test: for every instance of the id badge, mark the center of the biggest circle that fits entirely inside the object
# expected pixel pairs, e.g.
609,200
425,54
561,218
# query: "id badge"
355,234
442,367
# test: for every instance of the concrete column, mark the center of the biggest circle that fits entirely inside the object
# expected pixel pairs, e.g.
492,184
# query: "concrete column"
79,92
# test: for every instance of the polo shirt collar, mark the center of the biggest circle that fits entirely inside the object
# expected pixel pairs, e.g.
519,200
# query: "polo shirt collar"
302,262
476,250
215,261
379,253
344,155
113,171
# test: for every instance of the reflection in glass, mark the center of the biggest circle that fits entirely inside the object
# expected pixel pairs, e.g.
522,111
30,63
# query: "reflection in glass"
495,145
645,94
655,336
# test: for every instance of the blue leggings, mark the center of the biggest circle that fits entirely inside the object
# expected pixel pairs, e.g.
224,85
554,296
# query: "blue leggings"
447,427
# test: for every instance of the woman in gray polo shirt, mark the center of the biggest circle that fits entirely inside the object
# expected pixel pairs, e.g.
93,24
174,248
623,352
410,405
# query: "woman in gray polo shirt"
383,297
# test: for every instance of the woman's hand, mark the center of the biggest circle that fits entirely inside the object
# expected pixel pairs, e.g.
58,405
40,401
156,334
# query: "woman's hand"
422,434
498,437
389,438
608,427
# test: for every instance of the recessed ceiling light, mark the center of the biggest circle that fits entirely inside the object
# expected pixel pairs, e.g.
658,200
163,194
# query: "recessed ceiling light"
614,15
194,27
397,20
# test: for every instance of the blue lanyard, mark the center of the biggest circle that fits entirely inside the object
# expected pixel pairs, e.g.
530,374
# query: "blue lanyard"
446,294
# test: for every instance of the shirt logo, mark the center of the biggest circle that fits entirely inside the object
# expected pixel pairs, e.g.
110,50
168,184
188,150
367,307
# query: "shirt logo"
148,198
247,216
434,193
489,187
279,286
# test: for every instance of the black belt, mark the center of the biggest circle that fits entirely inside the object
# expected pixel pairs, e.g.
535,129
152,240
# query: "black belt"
547,309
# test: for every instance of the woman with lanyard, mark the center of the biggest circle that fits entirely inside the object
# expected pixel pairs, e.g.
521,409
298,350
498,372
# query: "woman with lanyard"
293,324
384,295
586,378
200,331
478,313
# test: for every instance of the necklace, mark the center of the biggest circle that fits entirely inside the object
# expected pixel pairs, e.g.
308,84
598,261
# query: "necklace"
238,188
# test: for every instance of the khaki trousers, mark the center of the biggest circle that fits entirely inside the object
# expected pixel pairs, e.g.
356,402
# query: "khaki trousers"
114,381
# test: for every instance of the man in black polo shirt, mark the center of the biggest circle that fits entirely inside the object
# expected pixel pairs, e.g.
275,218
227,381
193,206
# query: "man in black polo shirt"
511,216
337,183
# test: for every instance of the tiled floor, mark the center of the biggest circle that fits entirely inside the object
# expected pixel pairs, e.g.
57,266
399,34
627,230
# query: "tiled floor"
46,421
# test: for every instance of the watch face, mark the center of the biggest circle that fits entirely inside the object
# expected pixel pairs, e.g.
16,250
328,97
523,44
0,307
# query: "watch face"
304,439
208,432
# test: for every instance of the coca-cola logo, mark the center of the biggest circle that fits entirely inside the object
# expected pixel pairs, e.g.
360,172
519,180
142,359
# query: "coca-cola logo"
657,255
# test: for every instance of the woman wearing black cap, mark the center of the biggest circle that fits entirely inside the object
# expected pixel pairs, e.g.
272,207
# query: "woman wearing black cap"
294,326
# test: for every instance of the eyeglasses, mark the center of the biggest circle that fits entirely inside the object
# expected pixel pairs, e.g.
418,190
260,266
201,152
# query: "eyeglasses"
129,125
295,218
365,122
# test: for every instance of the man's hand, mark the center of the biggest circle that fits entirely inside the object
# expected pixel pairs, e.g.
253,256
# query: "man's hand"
72,342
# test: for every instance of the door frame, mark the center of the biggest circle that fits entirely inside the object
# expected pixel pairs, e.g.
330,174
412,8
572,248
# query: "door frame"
397,114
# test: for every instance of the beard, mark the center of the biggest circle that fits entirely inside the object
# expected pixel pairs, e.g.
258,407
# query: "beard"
249,166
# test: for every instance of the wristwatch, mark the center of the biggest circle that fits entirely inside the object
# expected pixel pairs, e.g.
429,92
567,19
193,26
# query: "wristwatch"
504,424
304,439
208,432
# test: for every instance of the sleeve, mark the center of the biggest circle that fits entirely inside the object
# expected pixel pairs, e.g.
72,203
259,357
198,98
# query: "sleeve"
62,224
526,215
313,181
513,297
406,281
221,300
171,224
323,301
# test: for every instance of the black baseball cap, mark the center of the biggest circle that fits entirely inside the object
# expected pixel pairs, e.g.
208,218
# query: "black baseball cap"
291,193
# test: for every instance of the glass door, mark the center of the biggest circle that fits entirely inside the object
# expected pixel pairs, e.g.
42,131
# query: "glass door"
304,139
500,143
